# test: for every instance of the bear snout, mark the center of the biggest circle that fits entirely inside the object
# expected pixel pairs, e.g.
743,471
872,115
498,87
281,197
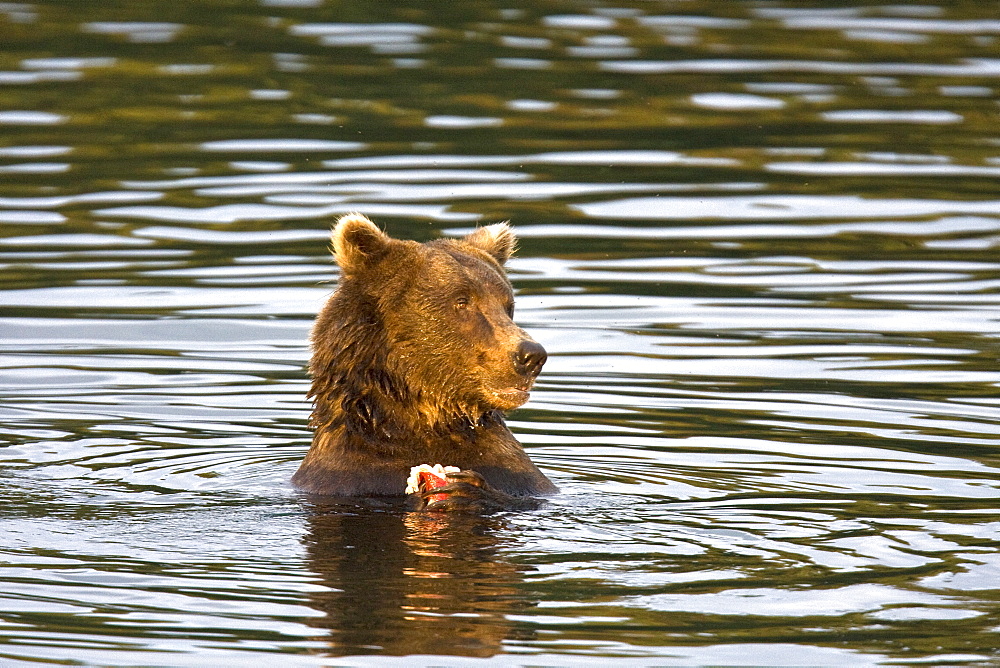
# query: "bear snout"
529,358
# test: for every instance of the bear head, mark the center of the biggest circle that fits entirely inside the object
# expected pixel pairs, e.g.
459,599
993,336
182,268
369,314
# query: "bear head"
419,336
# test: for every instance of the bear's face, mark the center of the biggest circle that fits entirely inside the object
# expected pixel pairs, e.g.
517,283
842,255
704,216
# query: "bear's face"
453,330
446,311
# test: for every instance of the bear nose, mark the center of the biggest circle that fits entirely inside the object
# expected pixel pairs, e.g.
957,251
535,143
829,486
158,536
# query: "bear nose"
529,358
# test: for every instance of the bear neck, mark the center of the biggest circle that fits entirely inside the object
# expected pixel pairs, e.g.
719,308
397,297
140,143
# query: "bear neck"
380,415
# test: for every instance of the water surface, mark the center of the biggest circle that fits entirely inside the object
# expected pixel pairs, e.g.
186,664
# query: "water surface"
758,240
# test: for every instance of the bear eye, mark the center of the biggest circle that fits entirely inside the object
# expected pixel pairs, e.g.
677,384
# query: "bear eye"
462,303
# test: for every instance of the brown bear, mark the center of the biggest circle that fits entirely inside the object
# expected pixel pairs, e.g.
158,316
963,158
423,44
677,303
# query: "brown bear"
415,358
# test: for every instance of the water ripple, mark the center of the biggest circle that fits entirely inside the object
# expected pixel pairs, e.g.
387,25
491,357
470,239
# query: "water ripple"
757,242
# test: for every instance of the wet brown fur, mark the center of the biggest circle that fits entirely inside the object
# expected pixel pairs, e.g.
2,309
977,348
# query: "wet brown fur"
413,363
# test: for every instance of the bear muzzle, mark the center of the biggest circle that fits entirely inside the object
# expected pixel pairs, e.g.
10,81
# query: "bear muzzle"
527,360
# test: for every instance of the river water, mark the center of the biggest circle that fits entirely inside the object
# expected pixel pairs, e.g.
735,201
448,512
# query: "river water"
758,239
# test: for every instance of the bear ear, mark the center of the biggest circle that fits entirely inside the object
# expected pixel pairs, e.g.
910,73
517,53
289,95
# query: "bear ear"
498,240
358,243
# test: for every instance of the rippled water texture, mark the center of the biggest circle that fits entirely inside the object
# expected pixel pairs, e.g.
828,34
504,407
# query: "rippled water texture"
759,240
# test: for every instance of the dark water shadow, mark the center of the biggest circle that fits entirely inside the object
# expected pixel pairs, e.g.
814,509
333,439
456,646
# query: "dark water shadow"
404,583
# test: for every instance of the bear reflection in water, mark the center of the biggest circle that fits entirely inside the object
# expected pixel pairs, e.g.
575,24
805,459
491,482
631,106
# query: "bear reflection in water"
402,583
415,358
